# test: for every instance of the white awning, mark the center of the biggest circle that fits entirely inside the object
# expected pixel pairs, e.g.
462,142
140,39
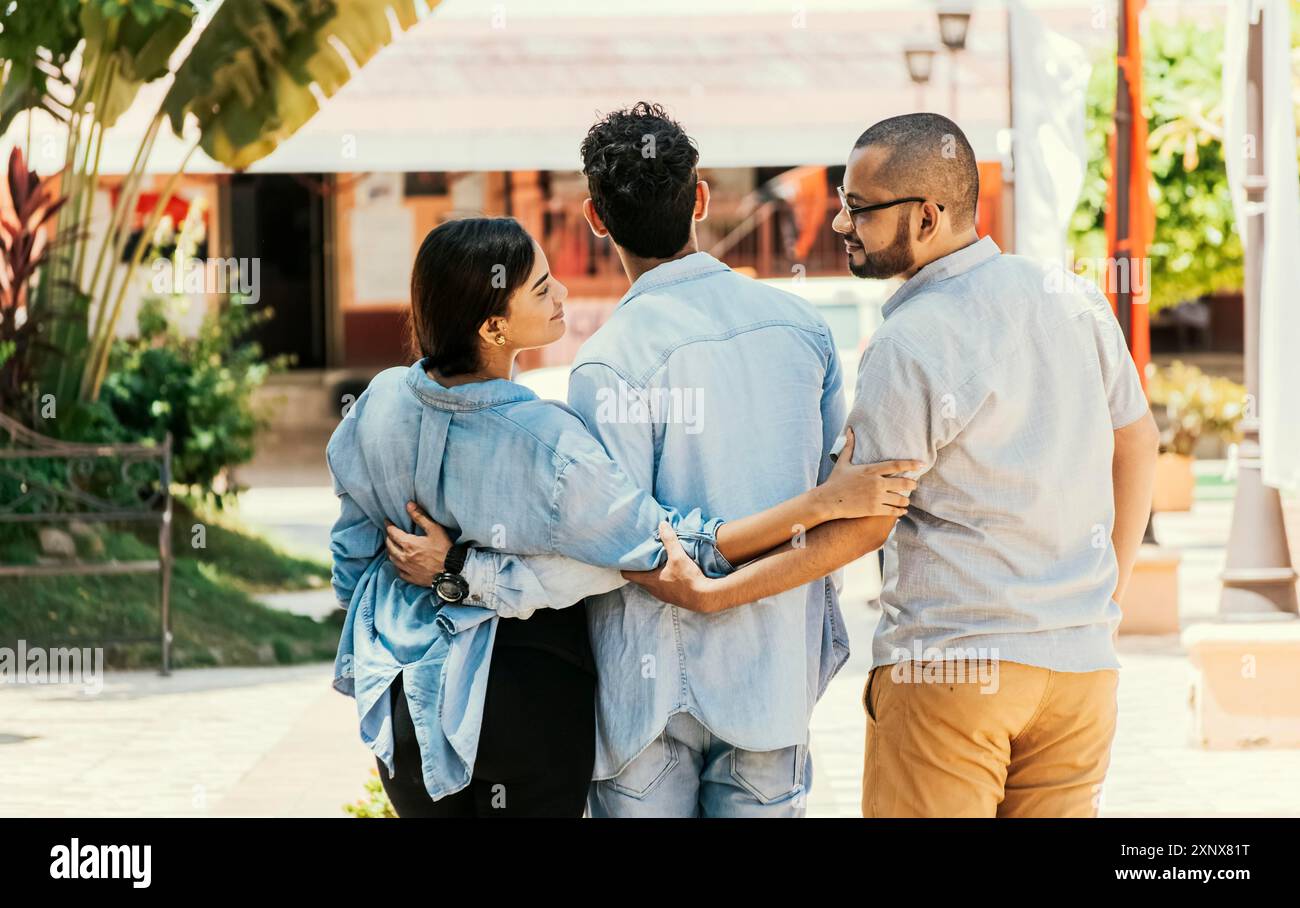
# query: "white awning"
768,83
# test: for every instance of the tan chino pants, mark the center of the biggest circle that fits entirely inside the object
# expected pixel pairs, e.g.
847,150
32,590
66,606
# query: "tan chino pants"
985,739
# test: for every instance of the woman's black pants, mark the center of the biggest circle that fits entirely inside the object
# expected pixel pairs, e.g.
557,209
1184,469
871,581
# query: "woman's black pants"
536,749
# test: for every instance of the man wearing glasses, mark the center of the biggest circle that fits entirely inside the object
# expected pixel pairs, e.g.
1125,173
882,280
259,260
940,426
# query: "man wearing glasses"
992,691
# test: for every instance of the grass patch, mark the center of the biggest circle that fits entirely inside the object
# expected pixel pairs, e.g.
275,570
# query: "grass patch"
215,618
249,560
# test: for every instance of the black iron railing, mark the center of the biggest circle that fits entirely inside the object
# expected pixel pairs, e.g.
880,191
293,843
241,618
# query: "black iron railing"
44,480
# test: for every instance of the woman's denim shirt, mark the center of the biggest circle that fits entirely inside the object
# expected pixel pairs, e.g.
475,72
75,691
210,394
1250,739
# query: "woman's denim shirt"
501,470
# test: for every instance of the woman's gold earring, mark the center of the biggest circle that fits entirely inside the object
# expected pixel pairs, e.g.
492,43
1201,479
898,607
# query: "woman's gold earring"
501,341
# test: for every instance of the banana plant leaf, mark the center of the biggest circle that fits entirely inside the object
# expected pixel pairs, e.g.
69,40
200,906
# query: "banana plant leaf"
248,79
46,25
139,42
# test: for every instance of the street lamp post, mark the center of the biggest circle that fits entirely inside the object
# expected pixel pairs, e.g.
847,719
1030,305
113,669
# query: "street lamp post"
1258,579
954,24
920,65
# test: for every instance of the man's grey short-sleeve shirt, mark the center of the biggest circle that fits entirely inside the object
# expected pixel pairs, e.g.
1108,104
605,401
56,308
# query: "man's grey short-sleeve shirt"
1007,377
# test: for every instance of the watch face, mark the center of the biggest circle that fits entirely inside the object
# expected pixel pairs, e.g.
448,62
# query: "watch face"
450,589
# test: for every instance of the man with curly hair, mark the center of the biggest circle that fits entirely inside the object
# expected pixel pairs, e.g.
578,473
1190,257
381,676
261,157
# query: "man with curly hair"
713,390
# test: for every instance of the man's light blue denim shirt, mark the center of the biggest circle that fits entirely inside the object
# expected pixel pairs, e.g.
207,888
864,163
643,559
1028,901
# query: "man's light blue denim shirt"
496,467
712,389
1008,377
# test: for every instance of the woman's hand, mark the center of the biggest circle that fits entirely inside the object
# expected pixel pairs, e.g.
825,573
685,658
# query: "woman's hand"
679,581
869,489
418,559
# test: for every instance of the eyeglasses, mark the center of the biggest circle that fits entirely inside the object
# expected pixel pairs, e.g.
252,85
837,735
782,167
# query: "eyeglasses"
860,209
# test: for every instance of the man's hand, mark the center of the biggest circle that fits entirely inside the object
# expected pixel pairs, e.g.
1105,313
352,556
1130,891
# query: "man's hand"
417,558
680,581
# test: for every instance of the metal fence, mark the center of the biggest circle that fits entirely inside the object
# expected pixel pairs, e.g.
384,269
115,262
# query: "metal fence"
44,480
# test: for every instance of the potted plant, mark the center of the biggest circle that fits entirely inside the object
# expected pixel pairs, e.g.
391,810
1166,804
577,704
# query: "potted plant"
1195,405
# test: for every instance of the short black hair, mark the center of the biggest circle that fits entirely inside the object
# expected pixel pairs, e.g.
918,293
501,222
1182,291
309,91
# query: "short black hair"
465,273
929,155
640,168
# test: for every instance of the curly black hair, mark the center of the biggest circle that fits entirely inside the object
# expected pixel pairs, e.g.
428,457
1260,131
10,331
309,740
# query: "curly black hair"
640,168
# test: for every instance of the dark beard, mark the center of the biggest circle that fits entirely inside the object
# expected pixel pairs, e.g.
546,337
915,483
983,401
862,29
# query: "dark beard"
893,259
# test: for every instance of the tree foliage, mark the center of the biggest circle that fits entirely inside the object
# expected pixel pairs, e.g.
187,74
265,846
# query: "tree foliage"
1196,250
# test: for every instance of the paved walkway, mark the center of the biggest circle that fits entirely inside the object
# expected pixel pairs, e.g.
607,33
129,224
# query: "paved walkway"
203,742
280,742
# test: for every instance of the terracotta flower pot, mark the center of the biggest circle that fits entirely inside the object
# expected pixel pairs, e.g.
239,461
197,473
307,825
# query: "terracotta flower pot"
1150,603
1175,482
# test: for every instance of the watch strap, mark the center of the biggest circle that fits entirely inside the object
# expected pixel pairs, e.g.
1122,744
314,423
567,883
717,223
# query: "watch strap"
454,563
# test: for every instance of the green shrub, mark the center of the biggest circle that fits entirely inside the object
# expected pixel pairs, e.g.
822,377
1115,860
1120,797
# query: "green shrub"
375,805
1196,250
200,389
1196,404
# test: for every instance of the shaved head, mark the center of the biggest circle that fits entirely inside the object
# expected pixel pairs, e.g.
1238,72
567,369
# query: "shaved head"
928,155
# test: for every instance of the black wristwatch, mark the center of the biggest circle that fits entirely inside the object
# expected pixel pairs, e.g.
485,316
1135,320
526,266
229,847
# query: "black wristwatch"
450,586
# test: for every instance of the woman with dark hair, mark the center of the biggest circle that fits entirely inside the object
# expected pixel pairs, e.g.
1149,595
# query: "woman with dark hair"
472,711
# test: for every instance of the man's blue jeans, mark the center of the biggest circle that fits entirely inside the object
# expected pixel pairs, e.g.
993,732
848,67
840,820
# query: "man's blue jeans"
688,772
